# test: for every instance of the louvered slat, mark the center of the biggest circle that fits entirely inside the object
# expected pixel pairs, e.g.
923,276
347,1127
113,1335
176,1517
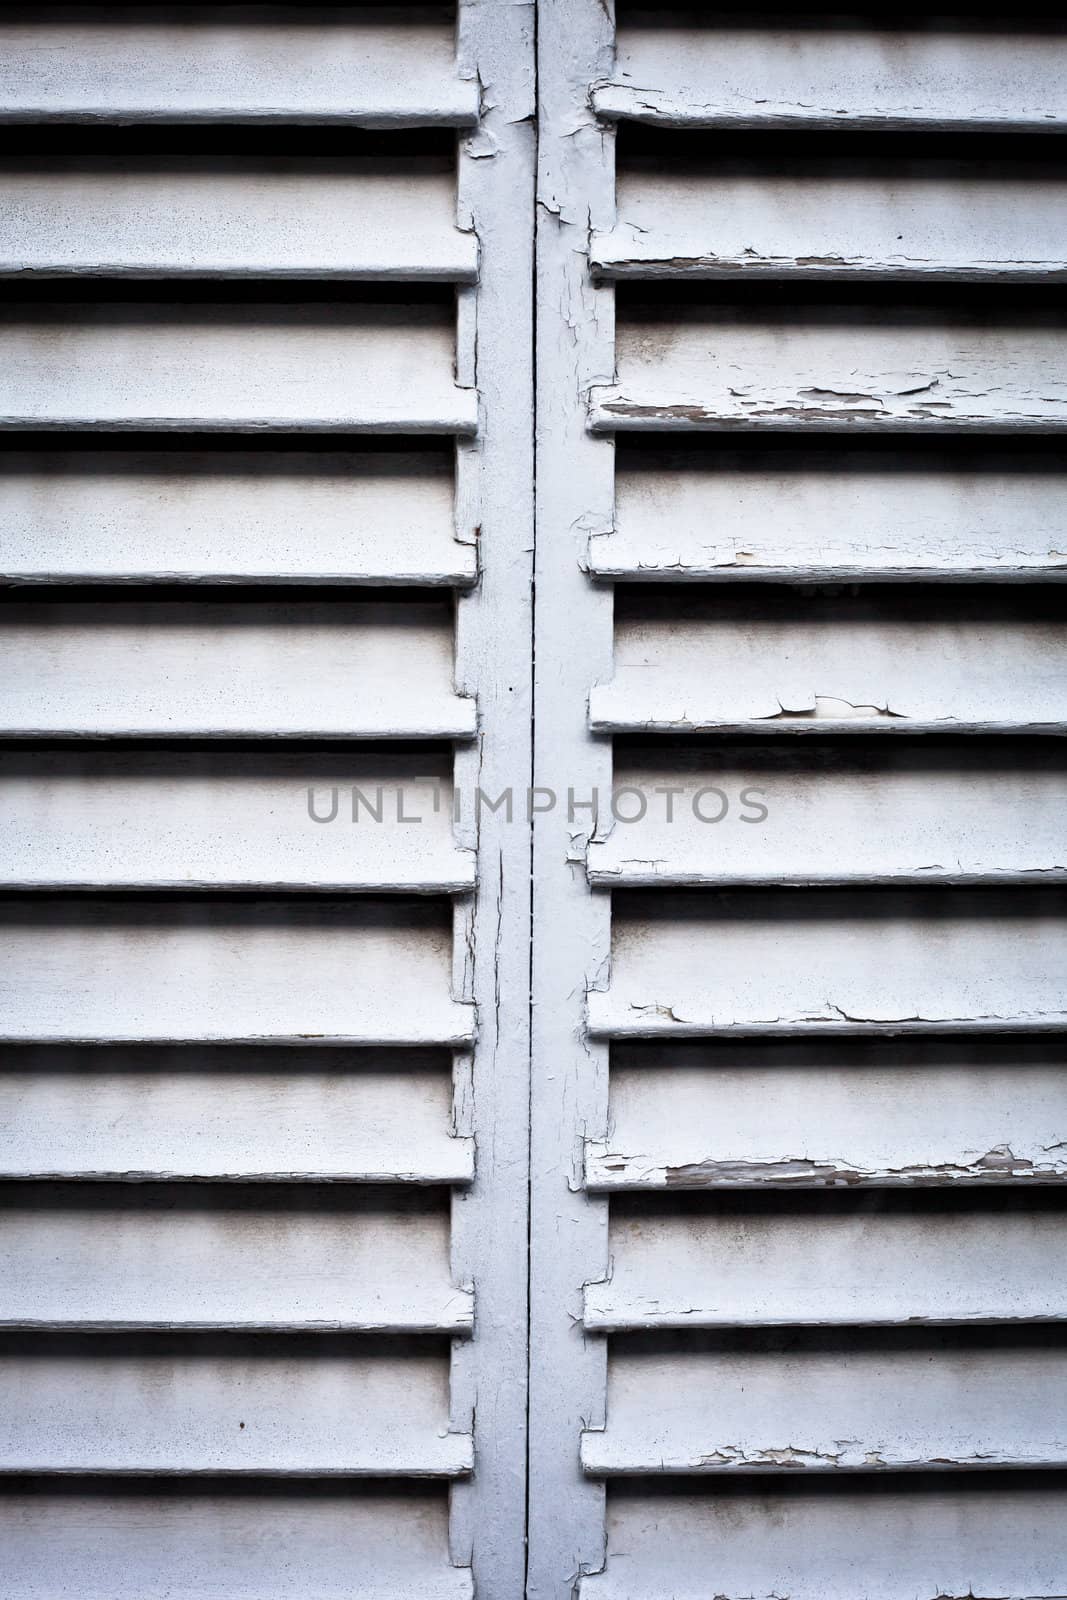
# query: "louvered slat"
736,1268
77,1406
84,1257
882,664
833,961
231,1114
358,972
697,1412
230,516
190,820
833,1114
847,225
835,814
87,1543
897,1542
231,367
182,216
202,64
876,368
835,516
213,670
851,78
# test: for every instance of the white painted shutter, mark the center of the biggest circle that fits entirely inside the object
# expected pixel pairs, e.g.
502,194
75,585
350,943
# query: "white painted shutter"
265,505
800,1103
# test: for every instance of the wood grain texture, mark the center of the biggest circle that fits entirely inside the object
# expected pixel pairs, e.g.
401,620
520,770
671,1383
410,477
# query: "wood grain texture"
932,1409
836,1114
849,78
835,372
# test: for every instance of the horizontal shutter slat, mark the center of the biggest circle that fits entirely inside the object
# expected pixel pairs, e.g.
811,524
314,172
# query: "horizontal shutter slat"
786,1268
348,973
872,519
184,669
93,1258
895,1410
229,516
301,64
326,218
835,814
845,77
858,374
234,1412
240,368
834,1114
230,1114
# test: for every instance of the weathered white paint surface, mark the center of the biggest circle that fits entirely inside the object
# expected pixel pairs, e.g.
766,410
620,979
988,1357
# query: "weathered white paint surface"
783,77
833,667
301,64
928,1112
278,1141
310,368
964,228
190,820
266,218
872,522
683,1411
228,1544
833,1268
230,517
959,1541
835,814
104,1409
356,972
491,952
869,371
133,667
834,961
77,1257
231,1114
571,928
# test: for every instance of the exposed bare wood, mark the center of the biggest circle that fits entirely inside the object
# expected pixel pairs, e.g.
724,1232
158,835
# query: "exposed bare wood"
928,1113
964,229
935,1409
835,373
850,78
